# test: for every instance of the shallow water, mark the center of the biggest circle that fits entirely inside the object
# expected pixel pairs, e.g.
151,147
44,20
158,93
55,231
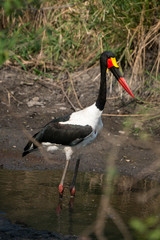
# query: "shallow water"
31,198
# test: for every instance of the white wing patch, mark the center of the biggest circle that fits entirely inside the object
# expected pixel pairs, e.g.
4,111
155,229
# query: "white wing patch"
50,147
88,116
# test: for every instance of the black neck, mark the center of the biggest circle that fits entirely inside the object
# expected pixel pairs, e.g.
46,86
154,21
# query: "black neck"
101,100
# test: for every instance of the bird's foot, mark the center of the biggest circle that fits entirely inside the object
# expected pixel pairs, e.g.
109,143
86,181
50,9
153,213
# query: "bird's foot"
72,191
61,190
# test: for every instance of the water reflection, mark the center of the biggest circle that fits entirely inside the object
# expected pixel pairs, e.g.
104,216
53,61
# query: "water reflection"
31,198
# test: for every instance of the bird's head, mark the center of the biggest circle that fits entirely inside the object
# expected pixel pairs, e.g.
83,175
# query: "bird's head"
108,60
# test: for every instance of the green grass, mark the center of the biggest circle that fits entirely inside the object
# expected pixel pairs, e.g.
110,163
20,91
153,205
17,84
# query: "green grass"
70,35
85,28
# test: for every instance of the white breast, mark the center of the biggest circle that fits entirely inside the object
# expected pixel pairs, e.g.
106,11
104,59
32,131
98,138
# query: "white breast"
89,116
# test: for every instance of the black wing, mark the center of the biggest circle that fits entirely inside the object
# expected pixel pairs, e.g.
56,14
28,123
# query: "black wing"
64,134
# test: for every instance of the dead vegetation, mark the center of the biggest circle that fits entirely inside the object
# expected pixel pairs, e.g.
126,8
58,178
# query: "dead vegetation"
66,36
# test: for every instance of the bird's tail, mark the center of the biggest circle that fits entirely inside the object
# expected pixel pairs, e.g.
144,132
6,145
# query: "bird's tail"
29,147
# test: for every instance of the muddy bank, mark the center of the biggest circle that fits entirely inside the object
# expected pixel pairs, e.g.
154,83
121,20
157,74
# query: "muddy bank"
28,102
14,231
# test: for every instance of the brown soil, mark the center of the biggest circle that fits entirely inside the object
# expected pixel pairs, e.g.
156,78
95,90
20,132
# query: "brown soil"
28,102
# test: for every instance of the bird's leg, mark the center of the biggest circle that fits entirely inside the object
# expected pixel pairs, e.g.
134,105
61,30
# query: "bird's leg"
61,188
72,186
68,152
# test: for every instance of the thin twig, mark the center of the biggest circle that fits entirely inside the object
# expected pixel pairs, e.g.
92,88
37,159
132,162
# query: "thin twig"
125,115
35,142
74,91
9,97
62,88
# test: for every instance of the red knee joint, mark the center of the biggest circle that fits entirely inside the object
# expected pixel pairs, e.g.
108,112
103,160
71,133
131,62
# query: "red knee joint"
61,189
73,191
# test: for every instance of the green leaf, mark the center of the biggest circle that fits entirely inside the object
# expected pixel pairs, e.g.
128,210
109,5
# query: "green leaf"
138,226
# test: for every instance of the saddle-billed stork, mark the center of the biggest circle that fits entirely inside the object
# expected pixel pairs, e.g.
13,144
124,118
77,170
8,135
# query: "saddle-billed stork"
79,128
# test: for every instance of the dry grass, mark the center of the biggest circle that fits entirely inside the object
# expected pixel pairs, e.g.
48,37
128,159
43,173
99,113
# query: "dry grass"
67,36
